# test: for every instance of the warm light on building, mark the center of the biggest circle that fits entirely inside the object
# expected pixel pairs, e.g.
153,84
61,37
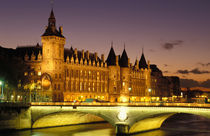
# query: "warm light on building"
122,115
55,73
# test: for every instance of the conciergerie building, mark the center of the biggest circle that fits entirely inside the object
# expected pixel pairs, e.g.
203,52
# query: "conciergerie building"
52,72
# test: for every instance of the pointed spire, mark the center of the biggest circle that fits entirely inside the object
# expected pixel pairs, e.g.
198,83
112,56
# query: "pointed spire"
39,57
124,59
52,16
136,64
142,62
51,29
111,59
52,20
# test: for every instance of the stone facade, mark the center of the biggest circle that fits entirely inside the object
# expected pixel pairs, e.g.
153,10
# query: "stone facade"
54,73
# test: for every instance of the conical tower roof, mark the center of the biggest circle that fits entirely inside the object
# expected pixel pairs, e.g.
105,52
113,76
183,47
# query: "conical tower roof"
124,59
51,29
111,59
142,62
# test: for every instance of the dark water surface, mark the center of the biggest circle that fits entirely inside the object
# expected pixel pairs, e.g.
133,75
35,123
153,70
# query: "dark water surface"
179,125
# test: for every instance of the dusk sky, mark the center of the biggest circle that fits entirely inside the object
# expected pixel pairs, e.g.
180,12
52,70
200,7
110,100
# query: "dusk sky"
175,34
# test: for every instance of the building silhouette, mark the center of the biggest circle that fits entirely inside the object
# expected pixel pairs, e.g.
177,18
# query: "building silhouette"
54,73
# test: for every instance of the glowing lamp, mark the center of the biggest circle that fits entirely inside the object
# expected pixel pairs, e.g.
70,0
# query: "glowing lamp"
122,115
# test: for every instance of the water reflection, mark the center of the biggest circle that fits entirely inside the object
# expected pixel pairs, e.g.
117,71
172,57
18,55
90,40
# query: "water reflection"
179,125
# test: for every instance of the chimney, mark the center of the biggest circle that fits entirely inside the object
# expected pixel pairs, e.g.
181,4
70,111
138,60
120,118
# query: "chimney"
96,56
61,30
83,54
102,57
88,55
117,61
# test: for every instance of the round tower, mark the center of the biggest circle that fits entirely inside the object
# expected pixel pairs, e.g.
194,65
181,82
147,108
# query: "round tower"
53,43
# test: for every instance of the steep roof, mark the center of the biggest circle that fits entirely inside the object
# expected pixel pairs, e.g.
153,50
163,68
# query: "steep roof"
142,62
70,53
111,59
51,29
29,50
124,59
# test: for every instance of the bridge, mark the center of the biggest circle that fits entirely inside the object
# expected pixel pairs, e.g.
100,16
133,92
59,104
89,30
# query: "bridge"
127,118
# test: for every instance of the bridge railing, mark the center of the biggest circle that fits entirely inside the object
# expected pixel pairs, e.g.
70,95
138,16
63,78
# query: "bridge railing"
121,104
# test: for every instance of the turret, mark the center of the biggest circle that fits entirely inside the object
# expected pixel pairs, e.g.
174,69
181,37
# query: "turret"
142,62
124,59
33,57
39,57
111,59
53,43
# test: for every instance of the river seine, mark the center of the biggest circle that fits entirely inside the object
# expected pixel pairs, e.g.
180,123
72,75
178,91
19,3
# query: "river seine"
179,125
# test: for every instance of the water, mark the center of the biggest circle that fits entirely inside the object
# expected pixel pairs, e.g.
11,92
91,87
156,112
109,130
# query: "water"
179,125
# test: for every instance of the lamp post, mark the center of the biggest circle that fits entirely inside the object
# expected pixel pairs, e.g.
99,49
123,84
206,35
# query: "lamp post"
2,90
150,90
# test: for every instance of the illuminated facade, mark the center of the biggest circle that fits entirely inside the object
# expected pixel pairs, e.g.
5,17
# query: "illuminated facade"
54,73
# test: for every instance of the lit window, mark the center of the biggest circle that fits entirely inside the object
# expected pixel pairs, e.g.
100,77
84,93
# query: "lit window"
32,73
123,83
39,73
26,73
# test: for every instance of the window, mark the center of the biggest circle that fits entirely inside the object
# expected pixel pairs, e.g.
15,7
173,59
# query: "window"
59,76
32,73
25,73
58,86
55,87
39,73
67,72
55,75
80,86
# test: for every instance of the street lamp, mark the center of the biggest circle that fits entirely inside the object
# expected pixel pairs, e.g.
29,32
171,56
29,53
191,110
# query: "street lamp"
2,91
150,90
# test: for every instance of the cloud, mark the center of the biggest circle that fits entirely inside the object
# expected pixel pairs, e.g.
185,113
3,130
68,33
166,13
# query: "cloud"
171,45
197,71
204,64
193,83
182,72
194,71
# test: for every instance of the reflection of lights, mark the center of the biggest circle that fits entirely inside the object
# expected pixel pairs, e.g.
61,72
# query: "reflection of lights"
123,99
122,115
